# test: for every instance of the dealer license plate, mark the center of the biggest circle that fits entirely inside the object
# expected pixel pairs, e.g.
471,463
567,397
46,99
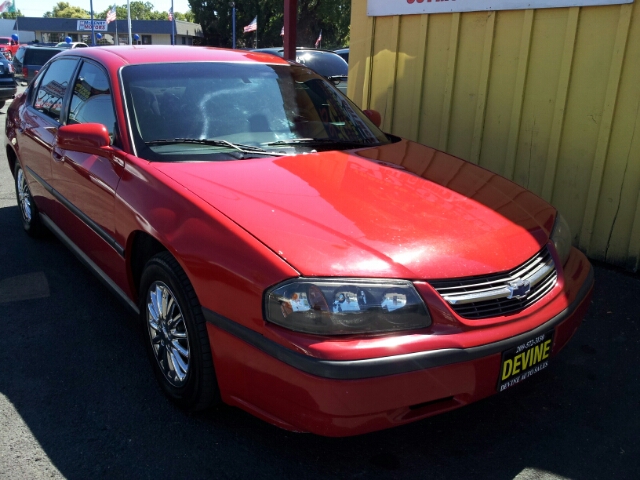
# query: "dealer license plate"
526,359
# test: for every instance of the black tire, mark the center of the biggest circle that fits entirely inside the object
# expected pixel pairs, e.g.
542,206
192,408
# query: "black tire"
2,102
172,328
28,209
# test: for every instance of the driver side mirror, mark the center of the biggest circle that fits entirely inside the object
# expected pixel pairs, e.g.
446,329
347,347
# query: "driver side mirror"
88,138
374,116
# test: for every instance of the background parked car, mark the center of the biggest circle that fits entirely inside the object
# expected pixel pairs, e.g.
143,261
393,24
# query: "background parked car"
328,64
8,47
71,45
344,53
7,80
29,59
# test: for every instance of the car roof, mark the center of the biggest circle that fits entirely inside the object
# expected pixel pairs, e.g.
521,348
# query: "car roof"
268,49
39,47
280,50
115,56
62,44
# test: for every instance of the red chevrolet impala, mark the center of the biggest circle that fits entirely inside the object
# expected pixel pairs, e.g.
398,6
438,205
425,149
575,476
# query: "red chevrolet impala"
283,254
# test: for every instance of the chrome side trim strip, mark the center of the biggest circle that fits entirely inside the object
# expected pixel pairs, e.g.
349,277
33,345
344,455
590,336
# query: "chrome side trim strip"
379,367
87,262
80,214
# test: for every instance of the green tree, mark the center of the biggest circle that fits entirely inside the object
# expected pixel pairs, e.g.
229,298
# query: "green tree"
144,11
64,10
11,15
186,17
333,17
206,14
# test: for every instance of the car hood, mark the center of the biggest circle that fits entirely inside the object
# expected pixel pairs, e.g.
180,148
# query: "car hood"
359,214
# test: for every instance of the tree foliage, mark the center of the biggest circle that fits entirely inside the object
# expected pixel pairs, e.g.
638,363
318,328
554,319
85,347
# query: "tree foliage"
139,11
64,10
11,15
333,17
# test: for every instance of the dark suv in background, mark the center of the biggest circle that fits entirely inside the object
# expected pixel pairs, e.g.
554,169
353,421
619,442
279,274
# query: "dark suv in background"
328,64
29,59
7,81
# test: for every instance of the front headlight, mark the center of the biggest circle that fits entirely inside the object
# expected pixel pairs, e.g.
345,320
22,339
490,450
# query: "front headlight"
561,238
346,306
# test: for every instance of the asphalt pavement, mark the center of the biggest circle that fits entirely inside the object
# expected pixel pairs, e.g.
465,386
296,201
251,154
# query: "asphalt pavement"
78,399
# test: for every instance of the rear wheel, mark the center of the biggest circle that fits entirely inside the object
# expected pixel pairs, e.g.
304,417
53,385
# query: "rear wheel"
175,335
28,209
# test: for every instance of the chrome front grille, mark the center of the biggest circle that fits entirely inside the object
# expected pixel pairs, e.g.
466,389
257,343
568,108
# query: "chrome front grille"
503,293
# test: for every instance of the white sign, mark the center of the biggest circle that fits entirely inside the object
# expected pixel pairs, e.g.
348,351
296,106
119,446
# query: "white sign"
377,8
99,25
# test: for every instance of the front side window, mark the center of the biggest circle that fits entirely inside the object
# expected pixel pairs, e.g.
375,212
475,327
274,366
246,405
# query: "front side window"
179,111
91,101
53,87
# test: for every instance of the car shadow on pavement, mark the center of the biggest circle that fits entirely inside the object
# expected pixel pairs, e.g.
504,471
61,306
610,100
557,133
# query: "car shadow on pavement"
75,371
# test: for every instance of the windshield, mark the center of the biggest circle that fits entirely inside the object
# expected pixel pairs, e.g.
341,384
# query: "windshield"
204,111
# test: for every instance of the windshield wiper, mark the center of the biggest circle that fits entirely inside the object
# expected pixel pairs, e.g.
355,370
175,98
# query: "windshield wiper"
216,143
322,141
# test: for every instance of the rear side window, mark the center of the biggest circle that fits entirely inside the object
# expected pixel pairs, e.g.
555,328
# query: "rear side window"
39,56
53,87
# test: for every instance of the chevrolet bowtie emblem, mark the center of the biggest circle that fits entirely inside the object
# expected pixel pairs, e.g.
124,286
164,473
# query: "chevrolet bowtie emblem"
519,289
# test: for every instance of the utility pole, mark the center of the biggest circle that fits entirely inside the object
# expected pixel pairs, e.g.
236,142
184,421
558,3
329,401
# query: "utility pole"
290,24
93,33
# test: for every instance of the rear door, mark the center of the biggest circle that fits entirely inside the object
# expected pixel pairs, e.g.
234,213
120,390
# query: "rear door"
39,120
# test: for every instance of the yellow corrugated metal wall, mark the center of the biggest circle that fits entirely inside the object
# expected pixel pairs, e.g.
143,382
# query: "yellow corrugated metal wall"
549,98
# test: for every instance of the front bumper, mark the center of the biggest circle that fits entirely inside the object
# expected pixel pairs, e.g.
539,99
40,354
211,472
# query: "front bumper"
347,397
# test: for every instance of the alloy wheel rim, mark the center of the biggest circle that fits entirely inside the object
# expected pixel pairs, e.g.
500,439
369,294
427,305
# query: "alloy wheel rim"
168,333
24,197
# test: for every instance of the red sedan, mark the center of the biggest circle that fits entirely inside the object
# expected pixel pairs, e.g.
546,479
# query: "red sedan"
283,254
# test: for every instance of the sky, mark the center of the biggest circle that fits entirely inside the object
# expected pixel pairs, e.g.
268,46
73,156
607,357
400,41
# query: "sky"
37,8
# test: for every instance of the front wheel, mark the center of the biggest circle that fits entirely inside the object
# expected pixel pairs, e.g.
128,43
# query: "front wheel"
175,335
28,209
